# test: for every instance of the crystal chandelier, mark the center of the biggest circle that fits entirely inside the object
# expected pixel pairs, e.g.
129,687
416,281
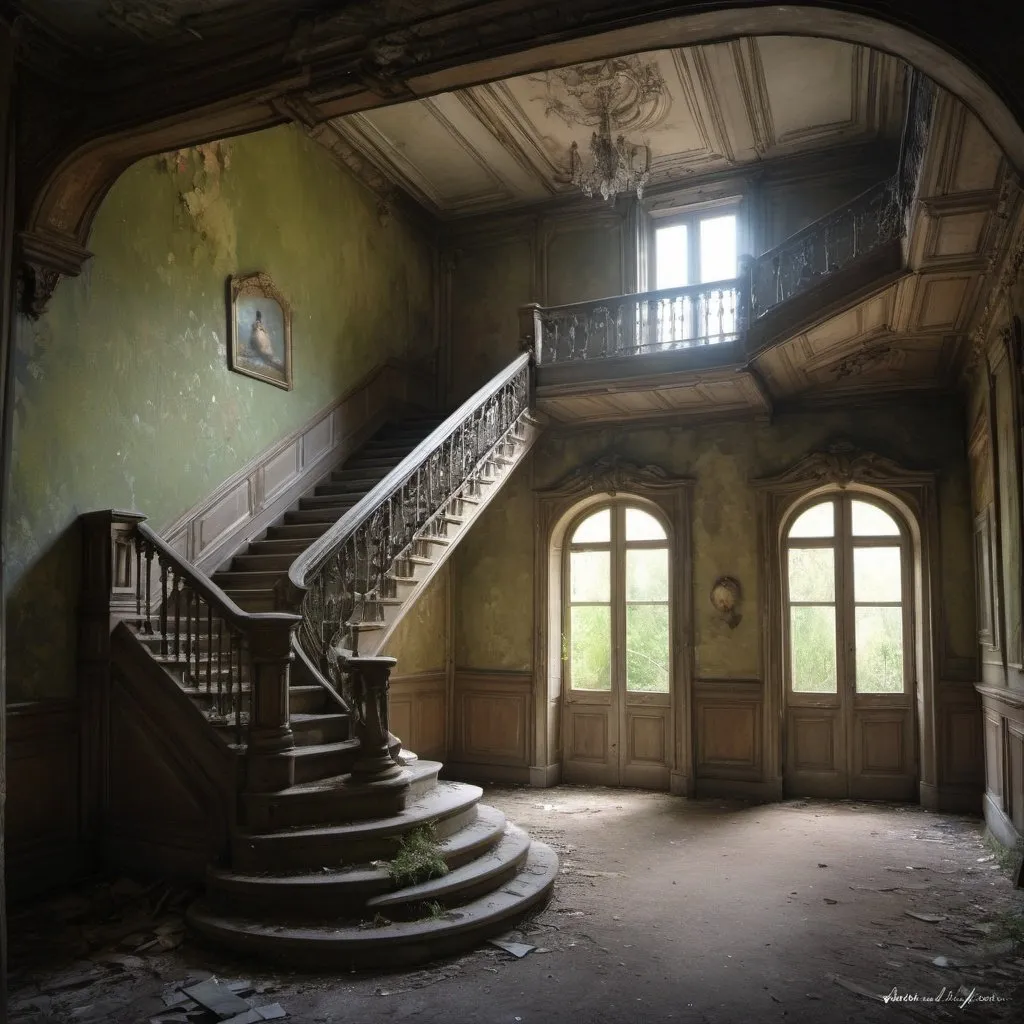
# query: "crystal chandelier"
616,165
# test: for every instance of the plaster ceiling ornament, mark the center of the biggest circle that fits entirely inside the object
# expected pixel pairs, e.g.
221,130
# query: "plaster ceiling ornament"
880,357
623,93
725,595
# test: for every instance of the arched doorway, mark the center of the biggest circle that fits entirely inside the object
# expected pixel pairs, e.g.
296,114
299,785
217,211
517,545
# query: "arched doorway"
616,627
849,662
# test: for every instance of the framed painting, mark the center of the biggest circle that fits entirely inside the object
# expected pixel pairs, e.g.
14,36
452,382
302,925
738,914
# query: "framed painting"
260,330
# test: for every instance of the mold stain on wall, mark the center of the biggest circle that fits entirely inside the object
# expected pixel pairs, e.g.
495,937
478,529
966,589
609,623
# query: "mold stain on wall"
123,395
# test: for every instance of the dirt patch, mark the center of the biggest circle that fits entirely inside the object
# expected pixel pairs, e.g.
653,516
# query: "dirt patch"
665,910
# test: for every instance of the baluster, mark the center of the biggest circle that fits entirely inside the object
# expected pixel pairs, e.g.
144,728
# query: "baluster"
721,313
149,589
138,578
163,607
220,656
197,646
187,590
176,593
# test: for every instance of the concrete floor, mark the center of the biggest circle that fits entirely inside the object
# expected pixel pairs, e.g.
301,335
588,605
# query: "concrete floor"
668,910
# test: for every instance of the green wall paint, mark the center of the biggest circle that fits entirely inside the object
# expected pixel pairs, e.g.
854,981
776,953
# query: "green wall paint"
493,568
420,640
123,396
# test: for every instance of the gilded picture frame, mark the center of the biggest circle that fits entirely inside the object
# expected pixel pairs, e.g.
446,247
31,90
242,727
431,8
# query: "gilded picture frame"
259,330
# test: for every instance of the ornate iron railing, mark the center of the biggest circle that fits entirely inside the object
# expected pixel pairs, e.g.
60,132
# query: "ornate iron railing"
627,325
827,245
916,128
346,579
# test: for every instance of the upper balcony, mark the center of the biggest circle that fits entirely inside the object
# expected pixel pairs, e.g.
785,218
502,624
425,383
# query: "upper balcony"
876,295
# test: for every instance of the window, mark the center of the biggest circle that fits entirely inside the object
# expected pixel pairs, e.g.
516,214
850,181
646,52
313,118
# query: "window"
689,250
618,602
846,577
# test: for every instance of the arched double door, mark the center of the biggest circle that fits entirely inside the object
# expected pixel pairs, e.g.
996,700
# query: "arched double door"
848,587
617,647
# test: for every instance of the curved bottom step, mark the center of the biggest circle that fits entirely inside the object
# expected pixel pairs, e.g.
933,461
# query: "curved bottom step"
399,943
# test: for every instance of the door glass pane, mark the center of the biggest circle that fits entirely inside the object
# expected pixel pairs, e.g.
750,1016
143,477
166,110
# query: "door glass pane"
642,525
817,521
647,647
812,574
595,529
812,637
879,650
647,574
589,575
876,574
718,248
590,658
870,521
671,254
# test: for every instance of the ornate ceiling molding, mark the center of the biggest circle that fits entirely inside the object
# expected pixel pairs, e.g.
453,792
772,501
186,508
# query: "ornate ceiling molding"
842,463
612,473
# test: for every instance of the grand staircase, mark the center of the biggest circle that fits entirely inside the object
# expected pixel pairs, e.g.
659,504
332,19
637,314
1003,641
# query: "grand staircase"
330,845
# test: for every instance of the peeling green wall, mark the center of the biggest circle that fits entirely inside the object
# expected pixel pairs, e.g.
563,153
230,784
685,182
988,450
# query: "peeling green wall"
492,575
123,395
420,640
493,570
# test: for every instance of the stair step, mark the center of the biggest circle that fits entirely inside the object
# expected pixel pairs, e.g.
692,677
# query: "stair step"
292,531
317,729
330,893
449,805
257,561
325,517
306,700
253,600
498,865
282,546
400,943
317,761
234,581
327,799
366,467
339,502
345,489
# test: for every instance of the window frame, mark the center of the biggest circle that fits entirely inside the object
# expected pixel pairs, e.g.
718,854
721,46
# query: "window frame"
691,216
843,543
617,546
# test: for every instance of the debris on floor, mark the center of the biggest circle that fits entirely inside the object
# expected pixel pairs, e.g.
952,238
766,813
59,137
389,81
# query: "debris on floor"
517,949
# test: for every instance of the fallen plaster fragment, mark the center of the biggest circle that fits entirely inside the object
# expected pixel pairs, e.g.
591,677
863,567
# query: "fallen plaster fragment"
927,918
218,999
517,949
852,986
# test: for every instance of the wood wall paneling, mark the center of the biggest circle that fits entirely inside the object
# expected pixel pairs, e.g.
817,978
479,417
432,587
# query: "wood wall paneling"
1003,720
728,729
418,712
492,717
42,813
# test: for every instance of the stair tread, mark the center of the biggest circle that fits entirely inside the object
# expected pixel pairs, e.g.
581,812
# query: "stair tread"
489,822
472,921
444,799
511,849
337,783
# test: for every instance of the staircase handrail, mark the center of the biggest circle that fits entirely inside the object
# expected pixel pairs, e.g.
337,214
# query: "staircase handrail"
339,581
201,584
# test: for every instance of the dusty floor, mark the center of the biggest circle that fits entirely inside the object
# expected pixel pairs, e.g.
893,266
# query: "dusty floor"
666,910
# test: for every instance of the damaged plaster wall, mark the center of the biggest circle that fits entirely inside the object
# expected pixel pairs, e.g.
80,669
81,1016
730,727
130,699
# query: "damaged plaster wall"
123,394
494,627
420,640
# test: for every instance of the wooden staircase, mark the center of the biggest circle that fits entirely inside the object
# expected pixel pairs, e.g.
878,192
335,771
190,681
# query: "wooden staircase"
300,871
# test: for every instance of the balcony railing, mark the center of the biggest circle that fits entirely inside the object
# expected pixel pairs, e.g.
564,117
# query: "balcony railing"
625,325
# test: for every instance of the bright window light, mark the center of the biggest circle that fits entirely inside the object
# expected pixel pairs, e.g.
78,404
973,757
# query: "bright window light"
671,257
717,248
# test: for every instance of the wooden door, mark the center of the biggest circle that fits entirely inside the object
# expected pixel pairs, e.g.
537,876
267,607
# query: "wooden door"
617,641
847,576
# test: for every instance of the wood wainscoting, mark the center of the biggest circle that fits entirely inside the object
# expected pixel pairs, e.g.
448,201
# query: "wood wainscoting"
492,726
42,836
729,731
418,713
1003,713
960,742
250,500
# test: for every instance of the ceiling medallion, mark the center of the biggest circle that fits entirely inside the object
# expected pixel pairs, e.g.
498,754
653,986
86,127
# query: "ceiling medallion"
622,93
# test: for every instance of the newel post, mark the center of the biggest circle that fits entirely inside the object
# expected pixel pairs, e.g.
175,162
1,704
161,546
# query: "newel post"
531,330
109,580
270,732
370,682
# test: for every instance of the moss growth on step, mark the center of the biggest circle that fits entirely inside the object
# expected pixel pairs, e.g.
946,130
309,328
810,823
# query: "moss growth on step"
418,859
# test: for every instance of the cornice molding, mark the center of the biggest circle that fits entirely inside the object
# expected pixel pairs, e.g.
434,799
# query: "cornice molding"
611,473
46,257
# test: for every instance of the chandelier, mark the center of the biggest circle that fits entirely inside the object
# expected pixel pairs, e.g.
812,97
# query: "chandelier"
616,166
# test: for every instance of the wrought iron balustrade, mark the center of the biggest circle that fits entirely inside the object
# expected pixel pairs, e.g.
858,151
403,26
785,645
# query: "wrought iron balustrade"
344,580
625,325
